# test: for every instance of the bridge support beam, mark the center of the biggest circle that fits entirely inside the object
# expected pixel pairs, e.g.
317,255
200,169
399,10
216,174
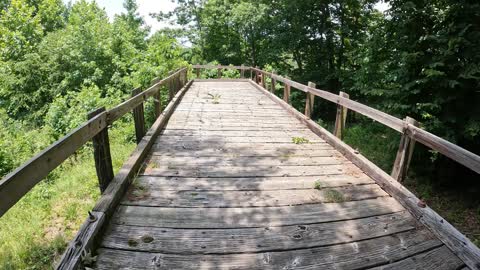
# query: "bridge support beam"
405,152
341,118
101,154
309,102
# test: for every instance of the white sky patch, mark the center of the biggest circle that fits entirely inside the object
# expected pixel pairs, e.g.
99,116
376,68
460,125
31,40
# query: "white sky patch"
382,6
145,7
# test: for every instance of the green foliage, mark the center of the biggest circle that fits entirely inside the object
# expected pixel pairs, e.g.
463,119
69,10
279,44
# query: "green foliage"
318,185
57,63
375,141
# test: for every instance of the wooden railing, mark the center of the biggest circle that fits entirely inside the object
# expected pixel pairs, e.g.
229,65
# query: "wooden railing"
409,129
220,68
17,183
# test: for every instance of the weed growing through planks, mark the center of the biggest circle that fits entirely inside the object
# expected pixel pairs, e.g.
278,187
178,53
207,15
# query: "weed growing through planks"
299,140
318,185
150,166
137,191
333,196
215,98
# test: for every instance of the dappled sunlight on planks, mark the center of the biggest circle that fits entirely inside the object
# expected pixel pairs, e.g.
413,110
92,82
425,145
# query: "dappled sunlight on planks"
226,186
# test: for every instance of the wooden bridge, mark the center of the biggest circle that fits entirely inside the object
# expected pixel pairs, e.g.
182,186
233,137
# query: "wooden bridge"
232,177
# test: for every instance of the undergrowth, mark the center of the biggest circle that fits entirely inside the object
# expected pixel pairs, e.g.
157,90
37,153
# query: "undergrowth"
35,232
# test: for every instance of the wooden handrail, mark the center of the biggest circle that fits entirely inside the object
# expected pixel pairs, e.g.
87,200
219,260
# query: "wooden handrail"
220,66
17,183
120,110
455,152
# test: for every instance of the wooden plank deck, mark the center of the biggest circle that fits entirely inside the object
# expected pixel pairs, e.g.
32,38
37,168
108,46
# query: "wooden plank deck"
225,187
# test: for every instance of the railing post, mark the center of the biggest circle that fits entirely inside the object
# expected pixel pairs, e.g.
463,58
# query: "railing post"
157,101
273,81
102,155
242,71
184,77
286,93
170,87
404,153
257,76
309,101
219,72
341,118
198,73
263,80
177,83
138,117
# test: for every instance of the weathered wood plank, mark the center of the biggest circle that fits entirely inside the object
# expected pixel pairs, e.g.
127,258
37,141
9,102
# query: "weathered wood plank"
356,255
248,184
242,133
142,196
257,171
235,139
278,147
220,241
200,128
440,258
156,161
225,150
17,183
251,217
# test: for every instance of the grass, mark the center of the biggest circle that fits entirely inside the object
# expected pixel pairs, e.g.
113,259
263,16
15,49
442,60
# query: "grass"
35,232
333,196
299,140
318,185
375,141
215,98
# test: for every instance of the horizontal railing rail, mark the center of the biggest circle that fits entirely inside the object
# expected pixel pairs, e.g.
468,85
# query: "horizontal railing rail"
18,182
220,68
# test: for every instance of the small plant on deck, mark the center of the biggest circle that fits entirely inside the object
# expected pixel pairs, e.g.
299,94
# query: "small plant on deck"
215,98
333,196
300,140
318,185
